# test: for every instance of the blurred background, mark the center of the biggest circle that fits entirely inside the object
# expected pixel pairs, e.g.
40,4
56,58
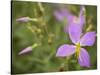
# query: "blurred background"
48,32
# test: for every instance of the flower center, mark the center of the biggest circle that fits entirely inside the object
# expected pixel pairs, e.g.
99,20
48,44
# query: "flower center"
78,49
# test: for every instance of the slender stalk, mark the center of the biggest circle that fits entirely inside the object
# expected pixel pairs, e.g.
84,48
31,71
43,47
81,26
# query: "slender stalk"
67,63
32,30
43,20
41,7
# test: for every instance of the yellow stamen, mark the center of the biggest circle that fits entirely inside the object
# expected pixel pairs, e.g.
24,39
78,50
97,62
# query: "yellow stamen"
78,49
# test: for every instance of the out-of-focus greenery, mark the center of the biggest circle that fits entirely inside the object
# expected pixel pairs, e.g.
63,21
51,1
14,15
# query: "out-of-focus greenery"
50,35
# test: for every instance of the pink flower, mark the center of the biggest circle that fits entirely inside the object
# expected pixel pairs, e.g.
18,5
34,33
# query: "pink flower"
79,41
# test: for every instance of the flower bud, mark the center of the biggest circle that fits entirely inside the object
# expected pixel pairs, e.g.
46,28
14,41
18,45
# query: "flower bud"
23,19
26,50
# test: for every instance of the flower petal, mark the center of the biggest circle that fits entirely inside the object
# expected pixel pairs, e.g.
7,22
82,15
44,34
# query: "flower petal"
82,16
65,50
75,31
82,20
26,50
84,58
88,39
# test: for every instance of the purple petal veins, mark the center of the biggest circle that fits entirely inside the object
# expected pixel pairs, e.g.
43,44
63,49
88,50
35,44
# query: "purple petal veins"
65,50
84,58
26,50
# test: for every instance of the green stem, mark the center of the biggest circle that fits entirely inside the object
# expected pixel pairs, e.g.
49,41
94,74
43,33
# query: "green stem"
41,7
43,20
30,27
32,30
67,63
34,45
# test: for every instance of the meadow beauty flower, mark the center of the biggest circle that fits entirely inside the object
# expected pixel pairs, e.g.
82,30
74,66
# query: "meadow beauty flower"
77,37
74,29
23,19
64,14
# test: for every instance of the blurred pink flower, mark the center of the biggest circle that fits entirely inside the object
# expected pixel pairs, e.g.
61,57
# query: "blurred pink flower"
64,14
